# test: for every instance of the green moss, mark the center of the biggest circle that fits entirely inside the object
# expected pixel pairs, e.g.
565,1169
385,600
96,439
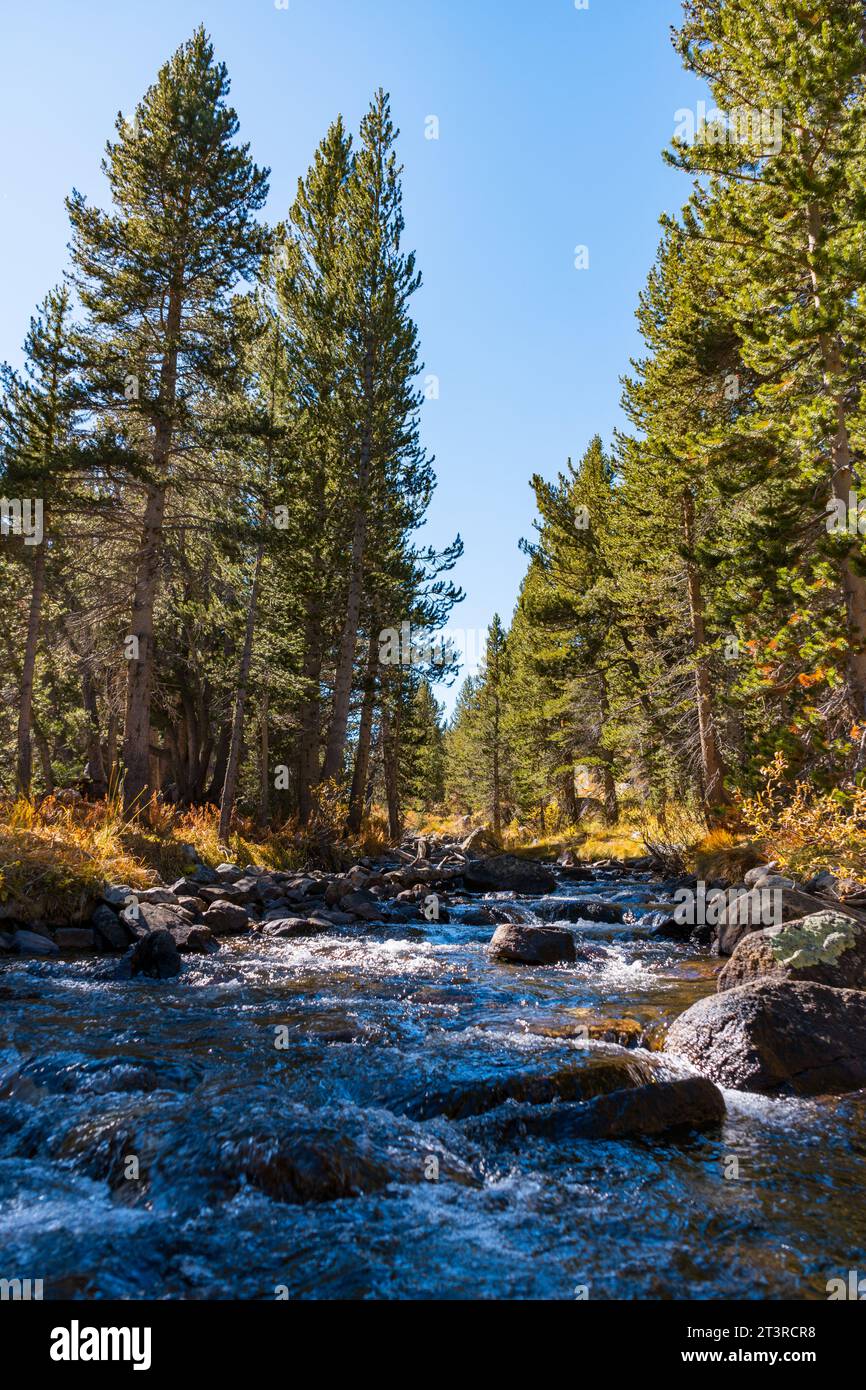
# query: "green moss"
817,940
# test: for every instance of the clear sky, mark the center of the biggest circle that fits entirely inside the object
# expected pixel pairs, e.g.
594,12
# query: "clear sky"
551,122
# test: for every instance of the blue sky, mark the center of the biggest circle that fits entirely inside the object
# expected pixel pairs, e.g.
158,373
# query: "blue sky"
551,123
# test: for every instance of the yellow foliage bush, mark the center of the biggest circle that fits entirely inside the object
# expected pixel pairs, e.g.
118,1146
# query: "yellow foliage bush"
803,829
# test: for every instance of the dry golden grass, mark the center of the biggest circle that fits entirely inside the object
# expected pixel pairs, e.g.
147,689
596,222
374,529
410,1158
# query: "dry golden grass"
56,857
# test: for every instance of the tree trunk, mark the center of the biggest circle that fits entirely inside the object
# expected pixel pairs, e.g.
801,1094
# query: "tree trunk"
611,803
44,759
264,765
95,761
336,743
365,731
390,765
712,767
214,791
497,788
841,485
25,705
136,733
139,685
230,785
310,712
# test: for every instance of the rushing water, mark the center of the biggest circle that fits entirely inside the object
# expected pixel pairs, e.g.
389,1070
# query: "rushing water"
384,1034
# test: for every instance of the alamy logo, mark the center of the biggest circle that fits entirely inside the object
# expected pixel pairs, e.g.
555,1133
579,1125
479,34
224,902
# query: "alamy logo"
753,126
77,1343
847,520
854,1289
22,516
699,908
20,1290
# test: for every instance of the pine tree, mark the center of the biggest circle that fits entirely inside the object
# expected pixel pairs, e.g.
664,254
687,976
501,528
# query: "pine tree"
154,276
376,396
37,415
787,216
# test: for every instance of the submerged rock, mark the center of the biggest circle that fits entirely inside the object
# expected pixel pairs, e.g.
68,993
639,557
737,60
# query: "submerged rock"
827,948
660,1108
155,955
530,945
327,1157
792,1038
596,1075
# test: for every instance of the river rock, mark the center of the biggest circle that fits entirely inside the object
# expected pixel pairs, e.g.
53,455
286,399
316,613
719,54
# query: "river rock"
116,894
109,929
195,941
155,955
827,948
505,873
362,904
75,939
576,873
158,897
295,926
142,918
581,910
31,943
595,1075
227,919
532,945
331,1155
186,888
662,1107
204,875
478,917
783,1037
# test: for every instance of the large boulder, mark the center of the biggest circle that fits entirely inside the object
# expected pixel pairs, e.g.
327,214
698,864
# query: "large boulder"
521,944
783,1037
827,948
760,908
500,873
